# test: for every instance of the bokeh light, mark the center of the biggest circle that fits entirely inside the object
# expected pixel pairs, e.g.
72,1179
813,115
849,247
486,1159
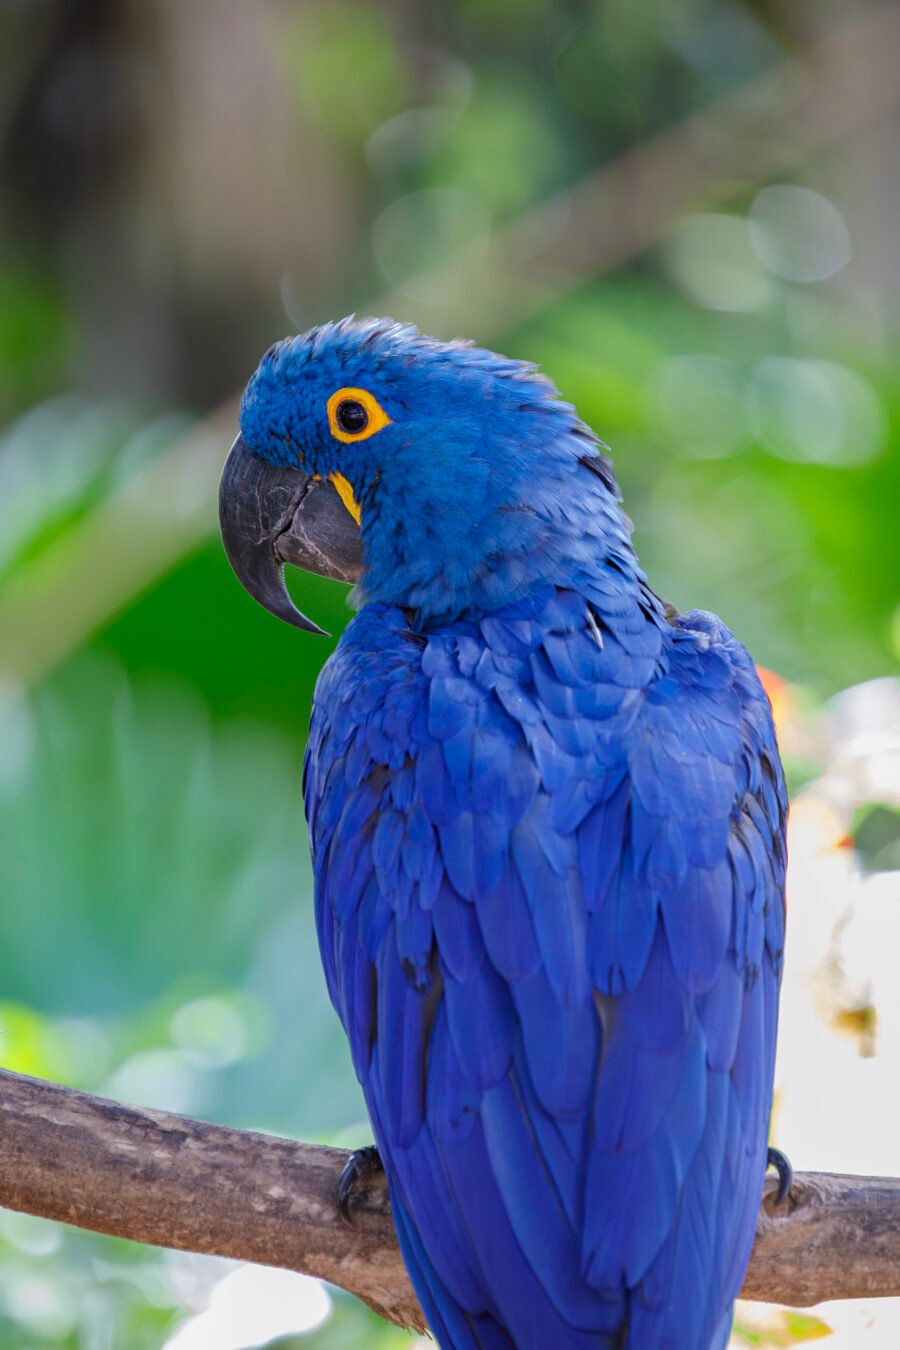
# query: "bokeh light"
711,258
798,234
815,411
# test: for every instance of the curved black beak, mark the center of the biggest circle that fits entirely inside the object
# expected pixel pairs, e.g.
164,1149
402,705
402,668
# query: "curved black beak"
270,515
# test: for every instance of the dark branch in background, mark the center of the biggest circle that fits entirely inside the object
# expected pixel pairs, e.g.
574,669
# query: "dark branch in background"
182,1183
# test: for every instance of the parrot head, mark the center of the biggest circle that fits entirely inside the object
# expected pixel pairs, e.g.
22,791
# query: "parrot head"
436,476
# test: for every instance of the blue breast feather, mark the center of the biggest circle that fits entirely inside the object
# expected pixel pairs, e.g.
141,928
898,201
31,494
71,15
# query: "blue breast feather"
549,865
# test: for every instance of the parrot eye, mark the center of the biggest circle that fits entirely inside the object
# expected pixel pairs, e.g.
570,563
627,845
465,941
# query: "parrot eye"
352,416
355,415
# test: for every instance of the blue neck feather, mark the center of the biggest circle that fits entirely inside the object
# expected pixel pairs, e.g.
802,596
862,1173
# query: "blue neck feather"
565,530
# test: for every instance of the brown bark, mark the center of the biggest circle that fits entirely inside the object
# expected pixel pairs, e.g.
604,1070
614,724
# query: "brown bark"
183,1183
834,1236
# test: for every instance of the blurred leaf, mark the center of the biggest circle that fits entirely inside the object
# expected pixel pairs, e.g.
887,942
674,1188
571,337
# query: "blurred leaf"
876,837
805,1328
30,1043
774,1328
128,828
35,333
346,71
504,149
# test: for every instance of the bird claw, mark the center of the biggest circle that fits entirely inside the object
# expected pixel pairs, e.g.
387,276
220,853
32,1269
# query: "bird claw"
775,1158
364,1164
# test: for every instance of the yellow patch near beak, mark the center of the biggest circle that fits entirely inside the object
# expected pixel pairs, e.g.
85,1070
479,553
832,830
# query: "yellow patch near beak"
345,492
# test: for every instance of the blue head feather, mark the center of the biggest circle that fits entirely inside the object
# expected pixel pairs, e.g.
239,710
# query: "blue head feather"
484,488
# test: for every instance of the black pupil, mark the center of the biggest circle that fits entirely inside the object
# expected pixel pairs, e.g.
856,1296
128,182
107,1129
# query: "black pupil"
352,416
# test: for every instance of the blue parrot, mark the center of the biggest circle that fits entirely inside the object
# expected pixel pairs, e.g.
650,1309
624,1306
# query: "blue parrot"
547,821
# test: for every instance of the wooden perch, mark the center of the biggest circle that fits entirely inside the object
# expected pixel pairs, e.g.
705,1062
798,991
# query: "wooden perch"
183,1183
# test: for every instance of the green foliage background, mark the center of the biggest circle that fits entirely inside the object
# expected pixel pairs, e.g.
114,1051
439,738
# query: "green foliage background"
182,185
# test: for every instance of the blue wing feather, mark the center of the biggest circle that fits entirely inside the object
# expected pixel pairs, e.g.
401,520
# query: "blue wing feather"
481,1022
458,935
549,888
507,928
561,1045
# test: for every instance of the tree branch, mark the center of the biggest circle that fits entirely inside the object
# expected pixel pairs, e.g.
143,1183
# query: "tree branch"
176,1182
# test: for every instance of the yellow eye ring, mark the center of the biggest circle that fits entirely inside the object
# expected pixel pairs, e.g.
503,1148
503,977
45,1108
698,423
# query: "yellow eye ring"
355,415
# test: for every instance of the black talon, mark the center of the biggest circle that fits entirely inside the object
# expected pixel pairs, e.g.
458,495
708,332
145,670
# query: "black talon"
364,1164
775,1158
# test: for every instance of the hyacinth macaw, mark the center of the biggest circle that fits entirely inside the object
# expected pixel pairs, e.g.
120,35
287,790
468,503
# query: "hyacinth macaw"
547,820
